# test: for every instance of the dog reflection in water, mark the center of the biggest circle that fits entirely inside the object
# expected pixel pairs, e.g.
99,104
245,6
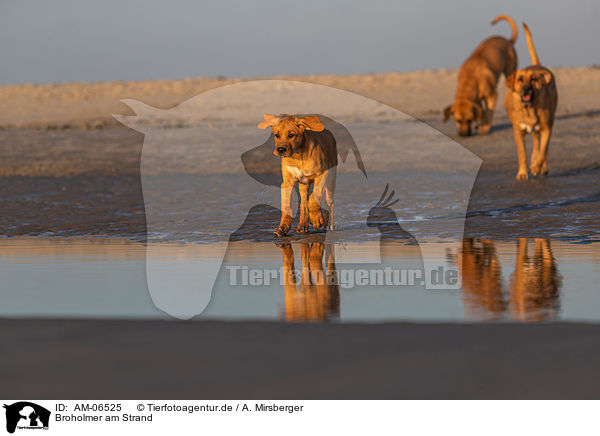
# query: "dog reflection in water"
535,283
317,298
481,279
534,287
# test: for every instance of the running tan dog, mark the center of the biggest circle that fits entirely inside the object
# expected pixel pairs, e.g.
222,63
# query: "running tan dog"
530,104
478,76
309,156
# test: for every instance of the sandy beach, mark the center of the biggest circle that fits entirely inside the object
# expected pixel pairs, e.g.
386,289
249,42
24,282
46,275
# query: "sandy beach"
422,94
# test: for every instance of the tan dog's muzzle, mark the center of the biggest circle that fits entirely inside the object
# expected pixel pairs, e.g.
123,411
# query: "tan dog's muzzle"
465,129
527,94
283,150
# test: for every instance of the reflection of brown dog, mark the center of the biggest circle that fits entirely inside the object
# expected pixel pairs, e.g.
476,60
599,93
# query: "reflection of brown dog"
531,103
481,277
478,76
535,283
309,156
318,297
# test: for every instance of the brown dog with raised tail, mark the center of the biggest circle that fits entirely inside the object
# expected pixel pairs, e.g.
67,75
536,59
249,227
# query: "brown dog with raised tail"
478,76
530,103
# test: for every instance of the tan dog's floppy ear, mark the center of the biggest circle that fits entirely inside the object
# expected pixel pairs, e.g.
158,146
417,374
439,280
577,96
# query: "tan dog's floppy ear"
270,121
310,123
447,113
546,77
510,81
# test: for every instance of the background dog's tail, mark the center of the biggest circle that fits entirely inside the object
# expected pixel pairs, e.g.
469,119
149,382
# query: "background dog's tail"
532,54
513,26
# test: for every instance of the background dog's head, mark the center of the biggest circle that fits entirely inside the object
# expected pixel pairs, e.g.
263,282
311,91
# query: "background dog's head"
465,113
529,82
288,131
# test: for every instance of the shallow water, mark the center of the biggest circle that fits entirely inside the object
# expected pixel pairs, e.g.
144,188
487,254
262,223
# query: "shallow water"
523,280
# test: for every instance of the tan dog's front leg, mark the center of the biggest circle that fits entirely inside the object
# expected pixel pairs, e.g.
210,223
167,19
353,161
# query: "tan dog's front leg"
520,141
544,168
314,203
536,149
303,223
539,165
329,193
286,210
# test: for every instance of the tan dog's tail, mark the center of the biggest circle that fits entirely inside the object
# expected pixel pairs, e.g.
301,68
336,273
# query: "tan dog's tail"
513,26
532,54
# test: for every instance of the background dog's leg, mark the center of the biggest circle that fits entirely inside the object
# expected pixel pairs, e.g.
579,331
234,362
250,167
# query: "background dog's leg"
520,140
490,103
535,154
540,165
303,222
329,192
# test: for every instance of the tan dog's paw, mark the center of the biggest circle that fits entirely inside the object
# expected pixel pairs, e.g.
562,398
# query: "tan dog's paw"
316,219
281,230
302,228
537,168
522,176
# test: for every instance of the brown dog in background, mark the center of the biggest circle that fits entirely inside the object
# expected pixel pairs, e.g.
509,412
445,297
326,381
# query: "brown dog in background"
530,103
309,156
478,76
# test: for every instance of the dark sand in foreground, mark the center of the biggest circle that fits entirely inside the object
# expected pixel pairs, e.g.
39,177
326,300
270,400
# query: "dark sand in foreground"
85,180
213,360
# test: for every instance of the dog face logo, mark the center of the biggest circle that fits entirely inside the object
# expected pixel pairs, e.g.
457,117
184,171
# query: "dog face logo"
26,415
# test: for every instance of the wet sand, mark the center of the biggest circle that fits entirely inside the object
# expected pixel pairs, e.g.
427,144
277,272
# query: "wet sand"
86,178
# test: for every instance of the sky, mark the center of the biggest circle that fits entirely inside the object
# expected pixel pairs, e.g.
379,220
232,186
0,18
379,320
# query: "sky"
58,41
